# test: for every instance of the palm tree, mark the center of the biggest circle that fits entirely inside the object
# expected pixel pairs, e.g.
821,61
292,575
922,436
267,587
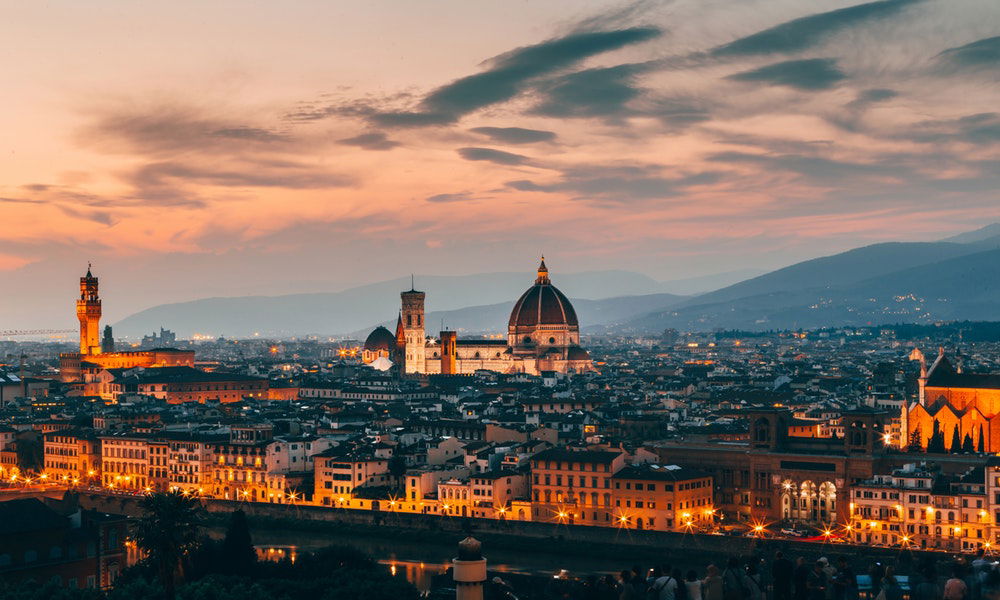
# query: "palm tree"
167,530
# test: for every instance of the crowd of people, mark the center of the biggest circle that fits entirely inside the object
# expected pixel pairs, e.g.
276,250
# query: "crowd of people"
781,578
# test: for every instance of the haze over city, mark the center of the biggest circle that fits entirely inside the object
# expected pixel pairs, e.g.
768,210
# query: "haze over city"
313,146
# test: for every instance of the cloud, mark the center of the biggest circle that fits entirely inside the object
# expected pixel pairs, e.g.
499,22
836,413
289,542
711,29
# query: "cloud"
284,175
803,33
5,200
248,133
371,141
515,135
815,168
509,74
97,216
590,93
164,128
617,184
457,197
805,74
979,129
983,53
494,156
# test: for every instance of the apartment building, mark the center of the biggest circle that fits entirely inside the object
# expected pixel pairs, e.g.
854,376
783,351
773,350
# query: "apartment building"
574,486
917,506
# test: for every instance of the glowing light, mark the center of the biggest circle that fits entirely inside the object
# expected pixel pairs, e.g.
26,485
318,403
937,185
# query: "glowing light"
787,485
43,476
886,438
90,473
930,510
872,524
906,539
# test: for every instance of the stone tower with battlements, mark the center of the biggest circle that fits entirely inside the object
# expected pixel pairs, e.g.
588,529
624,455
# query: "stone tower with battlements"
88,311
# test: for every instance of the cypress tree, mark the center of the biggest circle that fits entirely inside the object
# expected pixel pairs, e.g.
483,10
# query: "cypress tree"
982,445
956,441
967,446
915,443
936,443
238,553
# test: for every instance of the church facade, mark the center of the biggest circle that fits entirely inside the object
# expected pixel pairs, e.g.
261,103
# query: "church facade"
957,404
543,334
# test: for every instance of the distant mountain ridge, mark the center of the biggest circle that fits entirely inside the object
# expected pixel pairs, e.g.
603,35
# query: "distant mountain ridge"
877,284
952,279
343,312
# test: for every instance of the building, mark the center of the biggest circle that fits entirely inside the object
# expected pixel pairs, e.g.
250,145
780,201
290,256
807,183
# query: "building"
543,334
668,498
919,507
574,487
776,477
83,550
340,474
954,404
92,356
72,456
177,385
125,461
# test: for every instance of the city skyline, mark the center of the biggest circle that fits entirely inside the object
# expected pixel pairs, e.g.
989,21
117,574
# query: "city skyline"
256,152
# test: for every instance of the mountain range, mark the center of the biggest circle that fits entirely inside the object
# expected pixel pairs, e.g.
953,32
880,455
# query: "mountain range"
955,278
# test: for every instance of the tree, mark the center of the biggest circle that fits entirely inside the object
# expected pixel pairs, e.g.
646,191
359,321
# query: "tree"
967,446
982,445
936,443
166,532
238,554
956,441
916,441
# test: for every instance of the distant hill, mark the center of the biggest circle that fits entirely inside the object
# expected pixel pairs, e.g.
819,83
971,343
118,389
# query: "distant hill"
885,283
343,312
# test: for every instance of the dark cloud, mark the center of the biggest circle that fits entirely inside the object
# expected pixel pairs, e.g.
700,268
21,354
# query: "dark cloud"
983,53
617,184
600,92
371,141
97,216
255,134
805,74
678,113
979,129
806,32
494,156
165,129
457,197
509,74
515,135
876,95
815,168
4,200
157,176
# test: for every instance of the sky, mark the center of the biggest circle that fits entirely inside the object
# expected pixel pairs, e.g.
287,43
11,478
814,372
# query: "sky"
195,149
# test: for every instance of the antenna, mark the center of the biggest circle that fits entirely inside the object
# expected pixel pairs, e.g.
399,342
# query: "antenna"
413,286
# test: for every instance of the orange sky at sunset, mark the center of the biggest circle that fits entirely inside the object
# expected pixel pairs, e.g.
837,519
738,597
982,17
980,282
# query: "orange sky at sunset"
228,148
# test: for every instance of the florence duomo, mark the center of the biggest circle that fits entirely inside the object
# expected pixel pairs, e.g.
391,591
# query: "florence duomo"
543,334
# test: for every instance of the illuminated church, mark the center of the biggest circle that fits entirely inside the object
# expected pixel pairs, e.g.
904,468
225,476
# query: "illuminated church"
92,358
543,334
952,400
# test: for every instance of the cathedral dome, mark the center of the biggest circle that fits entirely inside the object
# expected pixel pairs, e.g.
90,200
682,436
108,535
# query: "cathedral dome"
380,340
543,304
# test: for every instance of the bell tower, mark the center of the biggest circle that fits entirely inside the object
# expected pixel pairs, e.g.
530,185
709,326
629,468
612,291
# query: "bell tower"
415,340
88,311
